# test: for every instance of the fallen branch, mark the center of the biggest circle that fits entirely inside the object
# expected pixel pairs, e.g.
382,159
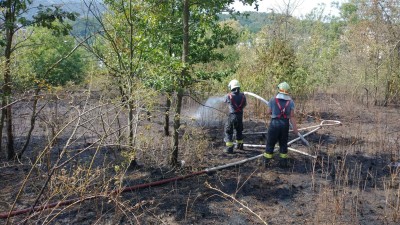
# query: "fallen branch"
235,200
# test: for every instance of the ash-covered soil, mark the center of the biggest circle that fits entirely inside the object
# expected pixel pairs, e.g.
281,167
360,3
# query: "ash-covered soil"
351,182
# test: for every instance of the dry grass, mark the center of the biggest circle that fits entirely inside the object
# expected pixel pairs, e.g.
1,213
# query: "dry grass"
363,182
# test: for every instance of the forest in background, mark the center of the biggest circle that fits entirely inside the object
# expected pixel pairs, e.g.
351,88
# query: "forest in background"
143,59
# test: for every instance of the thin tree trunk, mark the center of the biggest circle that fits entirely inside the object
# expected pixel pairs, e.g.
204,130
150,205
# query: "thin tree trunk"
10,137
177,123
3,114
185,53
167,111
33,119
130,121
7,111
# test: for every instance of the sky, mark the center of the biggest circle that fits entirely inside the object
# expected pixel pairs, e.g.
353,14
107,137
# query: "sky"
303,6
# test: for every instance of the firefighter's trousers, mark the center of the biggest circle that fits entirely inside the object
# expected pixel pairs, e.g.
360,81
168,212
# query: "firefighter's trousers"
278,131
234,123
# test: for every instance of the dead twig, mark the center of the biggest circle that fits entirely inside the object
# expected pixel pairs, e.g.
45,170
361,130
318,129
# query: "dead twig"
225,195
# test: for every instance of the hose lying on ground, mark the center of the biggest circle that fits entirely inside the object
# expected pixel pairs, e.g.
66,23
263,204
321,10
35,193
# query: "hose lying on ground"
9,214
316,127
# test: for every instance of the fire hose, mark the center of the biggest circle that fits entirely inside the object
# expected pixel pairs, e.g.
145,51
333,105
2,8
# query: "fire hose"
316,127
9,214
5,215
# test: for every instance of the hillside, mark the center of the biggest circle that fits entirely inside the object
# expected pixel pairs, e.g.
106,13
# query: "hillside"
253,21
77,6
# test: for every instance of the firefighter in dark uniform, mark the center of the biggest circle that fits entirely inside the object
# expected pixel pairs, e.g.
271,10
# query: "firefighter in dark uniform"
236,101
281,109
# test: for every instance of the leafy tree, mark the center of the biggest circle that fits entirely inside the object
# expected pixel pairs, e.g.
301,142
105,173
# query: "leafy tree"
318,48
191,32
45,50
348,12
14,21
49,60
122,45
201,35
276,60
371,44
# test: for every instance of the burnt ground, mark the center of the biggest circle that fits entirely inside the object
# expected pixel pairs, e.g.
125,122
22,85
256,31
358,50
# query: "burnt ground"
351,182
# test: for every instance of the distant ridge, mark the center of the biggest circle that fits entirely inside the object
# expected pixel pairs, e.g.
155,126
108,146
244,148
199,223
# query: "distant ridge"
77,6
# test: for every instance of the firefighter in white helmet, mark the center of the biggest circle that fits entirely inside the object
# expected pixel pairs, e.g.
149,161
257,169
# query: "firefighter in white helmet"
281,109
237,102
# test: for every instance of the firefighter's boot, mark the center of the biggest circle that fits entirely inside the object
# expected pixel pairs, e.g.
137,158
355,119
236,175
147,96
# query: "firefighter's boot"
267,159
229,148
239,144
283,161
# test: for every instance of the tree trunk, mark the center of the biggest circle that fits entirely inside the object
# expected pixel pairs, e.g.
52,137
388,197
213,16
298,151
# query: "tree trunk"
2,123
173,161
7,110
33,119
167,111
185,52
130,122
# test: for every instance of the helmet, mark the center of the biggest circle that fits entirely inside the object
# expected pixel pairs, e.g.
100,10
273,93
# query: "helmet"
233,84
283,88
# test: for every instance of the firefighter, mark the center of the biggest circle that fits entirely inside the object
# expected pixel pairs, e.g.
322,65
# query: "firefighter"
281,108
237,102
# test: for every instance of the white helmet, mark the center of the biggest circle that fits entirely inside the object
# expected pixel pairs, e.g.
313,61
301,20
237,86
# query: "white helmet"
233,84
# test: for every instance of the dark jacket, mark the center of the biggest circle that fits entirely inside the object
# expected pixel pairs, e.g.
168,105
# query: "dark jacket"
237,102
